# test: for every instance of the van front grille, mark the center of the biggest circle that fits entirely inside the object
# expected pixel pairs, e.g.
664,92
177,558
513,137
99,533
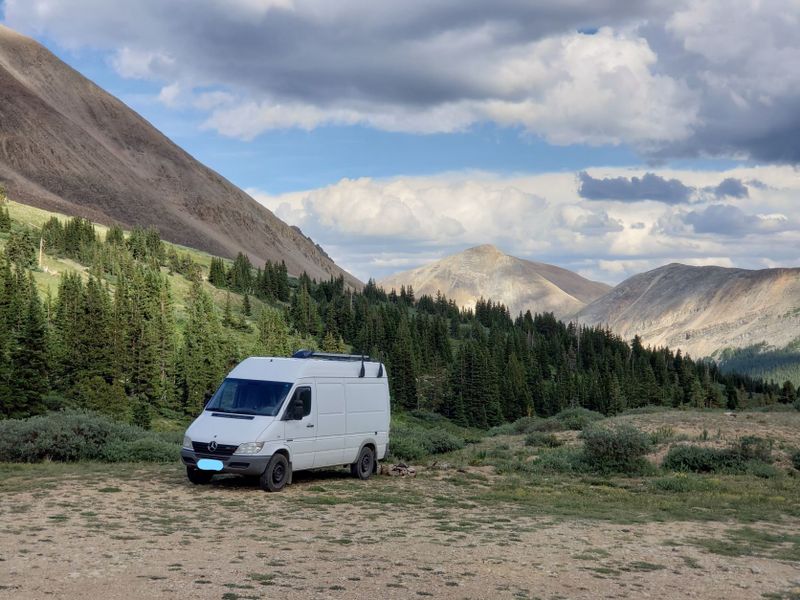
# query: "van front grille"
220,450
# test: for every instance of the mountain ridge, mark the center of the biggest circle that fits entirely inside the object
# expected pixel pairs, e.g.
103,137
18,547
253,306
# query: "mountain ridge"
702,309
486,272
67,145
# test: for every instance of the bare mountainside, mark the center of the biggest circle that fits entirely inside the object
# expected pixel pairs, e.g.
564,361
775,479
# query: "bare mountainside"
487,272
703,309
68,146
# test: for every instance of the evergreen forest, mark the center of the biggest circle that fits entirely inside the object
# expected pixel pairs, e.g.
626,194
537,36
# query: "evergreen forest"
140,329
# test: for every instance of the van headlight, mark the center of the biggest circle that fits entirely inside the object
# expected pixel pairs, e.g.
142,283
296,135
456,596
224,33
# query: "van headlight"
250,448
187,442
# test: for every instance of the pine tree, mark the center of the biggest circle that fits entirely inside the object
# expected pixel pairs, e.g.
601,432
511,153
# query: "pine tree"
240,276
216,275
731,397
29,358
273,334
21,248
247,310
403,380
333,343
6,393
115,236
227,315
204,351
165,345
304,312
517,401
5,220
788,393
282,282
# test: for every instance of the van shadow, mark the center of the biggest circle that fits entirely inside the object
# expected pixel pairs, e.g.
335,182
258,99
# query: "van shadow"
301,478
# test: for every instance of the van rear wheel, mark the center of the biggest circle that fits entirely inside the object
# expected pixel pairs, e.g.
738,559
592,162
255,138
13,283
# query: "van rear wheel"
276,475
365,464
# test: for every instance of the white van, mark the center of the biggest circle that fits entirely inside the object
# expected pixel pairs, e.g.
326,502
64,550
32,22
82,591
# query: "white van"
273,416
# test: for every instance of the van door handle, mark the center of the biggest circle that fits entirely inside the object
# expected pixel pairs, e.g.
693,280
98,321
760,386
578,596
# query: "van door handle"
310,425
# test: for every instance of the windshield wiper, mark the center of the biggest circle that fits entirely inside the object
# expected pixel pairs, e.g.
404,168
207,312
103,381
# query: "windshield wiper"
239,412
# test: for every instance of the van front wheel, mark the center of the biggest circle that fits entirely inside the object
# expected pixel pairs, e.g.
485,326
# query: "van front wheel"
197,476
276,475
365,463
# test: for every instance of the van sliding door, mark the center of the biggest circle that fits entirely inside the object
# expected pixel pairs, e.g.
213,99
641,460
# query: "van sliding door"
330,425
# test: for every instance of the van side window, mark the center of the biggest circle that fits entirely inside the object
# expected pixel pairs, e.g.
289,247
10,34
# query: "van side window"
304,394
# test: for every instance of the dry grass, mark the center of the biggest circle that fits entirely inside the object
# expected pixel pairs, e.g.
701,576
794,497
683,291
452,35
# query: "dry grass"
452,532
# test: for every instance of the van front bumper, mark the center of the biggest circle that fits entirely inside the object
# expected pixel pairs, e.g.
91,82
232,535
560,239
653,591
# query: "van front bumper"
243,465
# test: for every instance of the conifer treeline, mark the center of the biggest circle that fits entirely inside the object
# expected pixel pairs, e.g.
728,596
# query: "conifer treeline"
482,367
112,341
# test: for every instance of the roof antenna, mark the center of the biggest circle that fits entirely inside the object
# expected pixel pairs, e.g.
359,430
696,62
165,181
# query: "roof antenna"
363,370
380,365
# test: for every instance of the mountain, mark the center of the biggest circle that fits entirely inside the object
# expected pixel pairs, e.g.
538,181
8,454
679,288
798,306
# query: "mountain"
484,271
702,310
68,146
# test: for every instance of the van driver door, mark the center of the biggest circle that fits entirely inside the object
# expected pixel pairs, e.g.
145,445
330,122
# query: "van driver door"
301,423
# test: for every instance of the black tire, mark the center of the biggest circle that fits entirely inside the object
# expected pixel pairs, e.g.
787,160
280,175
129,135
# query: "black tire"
365,464
198,477
277,474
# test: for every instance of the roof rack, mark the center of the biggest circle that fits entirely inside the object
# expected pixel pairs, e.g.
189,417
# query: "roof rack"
330,356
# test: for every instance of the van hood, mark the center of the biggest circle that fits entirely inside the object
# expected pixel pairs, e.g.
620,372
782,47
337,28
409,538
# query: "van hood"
227,429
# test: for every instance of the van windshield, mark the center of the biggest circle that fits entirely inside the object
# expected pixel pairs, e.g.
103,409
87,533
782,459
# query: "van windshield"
249,397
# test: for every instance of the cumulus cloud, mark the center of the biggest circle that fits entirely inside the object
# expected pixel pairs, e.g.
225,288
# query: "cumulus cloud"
681,79
728,220
375,227
632,189
732,187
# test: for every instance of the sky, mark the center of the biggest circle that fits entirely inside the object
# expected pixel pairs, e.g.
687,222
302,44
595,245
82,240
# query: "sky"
605,136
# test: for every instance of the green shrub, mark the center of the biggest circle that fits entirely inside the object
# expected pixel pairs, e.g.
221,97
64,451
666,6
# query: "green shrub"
545,425
413,443
619,449
539,438
67,436
662,435
520,426
559,460
679,484
576,419
752,447
796,459
149,449
73,436
439,442
737,458
761,469
697,459
504,429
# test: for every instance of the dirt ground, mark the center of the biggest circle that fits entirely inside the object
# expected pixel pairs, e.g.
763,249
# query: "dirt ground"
148,533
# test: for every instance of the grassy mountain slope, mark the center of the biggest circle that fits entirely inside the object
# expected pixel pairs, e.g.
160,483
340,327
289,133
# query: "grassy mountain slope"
67,145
